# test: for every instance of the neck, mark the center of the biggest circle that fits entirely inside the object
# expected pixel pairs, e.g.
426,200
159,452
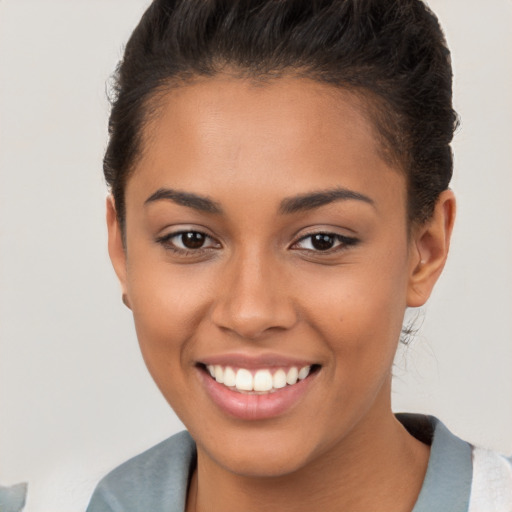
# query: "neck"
377,466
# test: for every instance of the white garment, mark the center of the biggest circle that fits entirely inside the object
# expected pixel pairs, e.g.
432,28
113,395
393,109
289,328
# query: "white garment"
491,489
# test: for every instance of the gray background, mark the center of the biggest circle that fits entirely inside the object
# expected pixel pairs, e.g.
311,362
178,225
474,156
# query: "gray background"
75,398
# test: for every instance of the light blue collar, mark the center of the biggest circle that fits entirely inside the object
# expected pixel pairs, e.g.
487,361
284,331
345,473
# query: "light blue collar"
157,480
447,484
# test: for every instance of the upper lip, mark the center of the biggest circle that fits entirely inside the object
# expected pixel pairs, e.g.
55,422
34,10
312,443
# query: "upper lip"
268,360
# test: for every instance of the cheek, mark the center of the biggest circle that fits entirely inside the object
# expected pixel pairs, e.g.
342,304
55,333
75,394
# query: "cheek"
358,312
361,301
360,325
168,304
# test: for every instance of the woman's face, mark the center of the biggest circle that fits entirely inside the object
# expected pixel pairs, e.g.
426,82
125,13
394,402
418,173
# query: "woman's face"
265,234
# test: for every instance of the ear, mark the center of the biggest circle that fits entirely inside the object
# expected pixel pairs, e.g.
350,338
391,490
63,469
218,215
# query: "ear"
430,245
116,249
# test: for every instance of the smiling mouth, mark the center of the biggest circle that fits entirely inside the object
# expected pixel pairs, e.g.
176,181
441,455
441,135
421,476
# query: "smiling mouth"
262,381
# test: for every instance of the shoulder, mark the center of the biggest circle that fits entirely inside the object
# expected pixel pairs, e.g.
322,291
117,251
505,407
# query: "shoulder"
460,477
489,475
491,489
155,480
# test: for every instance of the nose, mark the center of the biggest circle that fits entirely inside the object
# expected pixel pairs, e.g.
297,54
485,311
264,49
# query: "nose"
254,298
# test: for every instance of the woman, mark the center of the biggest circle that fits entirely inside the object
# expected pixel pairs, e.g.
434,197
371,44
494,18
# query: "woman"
279,175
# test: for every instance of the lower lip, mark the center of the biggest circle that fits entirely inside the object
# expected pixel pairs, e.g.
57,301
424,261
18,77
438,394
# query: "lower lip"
254,407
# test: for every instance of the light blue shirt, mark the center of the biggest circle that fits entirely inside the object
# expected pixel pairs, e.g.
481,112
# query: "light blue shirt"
157,480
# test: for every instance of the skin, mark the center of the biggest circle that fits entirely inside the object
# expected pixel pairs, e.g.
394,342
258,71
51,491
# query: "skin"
260,287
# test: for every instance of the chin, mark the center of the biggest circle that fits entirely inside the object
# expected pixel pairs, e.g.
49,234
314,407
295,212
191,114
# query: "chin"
269,462
260,451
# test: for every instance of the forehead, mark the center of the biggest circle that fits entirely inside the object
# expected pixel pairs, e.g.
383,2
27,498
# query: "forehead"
283,136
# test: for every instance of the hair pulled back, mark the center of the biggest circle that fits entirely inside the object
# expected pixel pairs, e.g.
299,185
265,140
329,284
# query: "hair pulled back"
392,52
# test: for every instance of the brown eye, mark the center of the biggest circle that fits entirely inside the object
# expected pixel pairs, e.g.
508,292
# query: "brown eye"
323,242
184,242
193,239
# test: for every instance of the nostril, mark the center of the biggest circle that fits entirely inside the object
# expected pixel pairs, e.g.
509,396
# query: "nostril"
255,323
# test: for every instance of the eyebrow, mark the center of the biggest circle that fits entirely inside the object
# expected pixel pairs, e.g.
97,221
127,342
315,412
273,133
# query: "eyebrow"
195,201
313,200
289,205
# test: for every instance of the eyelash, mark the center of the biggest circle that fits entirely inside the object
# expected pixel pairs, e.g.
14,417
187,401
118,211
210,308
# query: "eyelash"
166,242
343,243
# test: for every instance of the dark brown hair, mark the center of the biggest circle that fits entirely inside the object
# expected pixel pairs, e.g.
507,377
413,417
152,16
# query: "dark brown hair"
392,52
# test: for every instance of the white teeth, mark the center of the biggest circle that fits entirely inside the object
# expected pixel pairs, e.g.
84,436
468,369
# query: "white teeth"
262,381
229,377
219,374
244,381
292,376
279,379
304,372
